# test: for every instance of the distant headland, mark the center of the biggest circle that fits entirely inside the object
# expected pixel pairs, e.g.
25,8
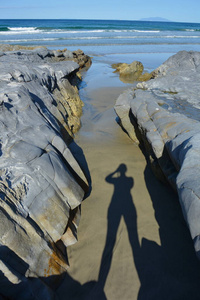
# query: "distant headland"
157,19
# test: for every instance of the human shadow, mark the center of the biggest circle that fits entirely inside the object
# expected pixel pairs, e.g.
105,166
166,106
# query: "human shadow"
167,271
121,206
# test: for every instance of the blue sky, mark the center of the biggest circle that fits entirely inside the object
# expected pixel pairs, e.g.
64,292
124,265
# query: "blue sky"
174,10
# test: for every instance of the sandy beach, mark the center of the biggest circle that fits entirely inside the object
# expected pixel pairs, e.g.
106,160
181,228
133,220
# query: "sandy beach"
132,240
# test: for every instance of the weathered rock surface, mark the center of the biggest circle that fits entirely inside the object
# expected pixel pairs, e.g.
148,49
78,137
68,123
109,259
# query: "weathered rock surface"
129,73
172,139
82,59
78,56
41,184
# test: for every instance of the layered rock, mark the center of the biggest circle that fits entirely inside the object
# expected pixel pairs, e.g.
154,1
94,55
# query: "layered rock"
41,184
163,114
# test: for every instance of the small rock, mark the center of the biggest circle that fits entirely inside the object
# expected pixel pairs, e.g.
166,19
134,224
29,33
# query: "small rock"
131,72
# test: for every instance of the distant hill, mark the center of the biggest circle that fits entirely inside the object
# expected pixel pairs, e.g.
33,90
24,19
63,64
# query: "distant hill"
158,19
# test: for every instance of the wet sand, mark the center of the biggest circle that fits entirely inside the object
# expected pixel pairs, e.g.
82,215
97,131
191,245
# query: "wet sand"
132,240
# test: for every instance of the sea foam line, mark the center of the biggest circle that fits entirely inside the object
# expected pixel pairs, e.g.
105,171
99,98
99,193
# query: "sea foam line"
31,40
129,37
156,31
22,28
28,30
102,38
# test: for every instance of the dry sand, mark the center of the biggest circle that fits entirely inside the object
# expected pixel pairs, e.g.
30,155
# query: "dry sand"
132,240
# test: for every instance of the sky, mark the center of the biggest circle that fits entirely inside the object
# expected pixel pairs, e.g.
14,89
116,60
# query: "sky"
173,10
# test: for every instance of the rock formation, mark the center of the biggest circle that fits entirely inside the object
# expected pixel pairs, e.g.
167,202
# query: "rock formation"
163,114
128,73
41,184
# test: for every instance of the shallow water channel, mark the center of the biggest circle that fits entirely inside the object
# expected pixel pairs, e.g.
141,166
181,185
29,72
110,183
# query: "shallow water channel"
132,240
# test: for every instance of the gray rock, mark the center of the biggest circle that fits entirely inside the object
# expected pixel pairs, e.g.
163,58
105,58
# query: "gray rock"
41,184
164,112
43,55
68,54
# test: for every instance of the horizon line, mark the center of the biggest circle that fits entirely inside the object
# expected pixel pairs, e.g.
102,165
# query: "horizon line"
87,19
142,20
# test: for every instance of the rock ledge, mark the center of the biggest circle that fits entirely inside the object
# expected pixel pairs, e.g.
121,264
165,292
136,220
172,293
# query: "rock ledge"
172,139
41,184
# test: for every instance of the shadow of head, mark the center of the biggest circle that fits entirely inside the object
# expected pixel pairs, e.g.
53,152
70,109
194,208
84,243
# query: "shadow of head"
122,169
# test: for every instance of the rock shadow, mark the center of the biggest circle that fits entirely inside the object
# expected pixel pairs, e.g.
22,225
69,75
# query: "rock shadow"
54,287
73,290
80,158
173,270
14,283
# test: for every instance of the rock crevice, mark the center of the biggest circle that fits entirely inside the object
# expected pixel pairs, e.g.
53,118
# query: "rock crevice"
169,130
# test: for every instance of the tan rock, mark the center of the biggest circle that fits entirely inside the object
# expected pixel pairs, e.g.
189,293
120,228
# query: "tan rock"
146,76
82,59
132,72
135,68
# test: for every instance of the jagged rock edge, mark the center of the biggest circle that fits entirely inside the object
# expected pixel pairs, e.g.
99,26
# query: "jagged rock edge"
21,88
172,153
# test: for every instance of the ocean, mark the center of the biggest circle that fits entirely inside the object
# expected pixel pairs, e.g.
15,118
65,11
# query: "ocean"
107,41
99,37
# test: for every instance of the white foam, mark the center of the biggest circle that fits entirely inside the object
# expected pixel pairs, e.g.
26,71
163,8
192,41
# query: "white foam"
20,30
147,31
31,40
181,36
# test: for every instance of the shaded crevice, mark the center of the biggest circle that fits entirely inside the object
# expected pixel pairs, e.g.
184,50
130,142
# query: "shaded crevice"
162,167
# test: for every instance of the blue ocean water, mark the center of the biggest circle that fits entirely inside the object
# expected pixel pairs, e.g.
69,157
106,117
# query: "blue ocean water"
99,37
